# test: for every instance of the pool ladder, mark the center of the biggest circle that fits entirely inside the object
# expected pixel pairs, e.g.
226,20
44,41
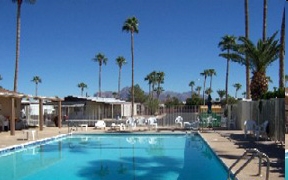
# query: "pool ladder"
255,152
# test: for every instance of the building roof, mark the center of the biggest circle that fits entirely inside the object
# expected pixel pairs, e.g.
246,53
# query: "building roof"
94,99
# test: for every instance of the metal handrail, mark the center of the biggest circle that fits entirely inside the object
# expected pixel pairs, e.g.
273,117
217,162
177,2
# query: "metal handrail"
255,152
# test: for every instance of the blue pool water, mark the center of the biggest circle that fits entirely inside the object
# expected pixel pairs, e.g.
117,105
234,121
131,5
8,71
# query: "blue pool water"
286,167
121,156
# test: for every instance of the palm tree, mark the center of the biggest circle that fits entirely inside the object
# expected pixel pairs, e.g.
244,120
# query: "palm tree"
264,20
1,78
101,59
131,25
260,56
208,91
82,86
19,3
237,86
192,84
282,53
228,44
244,94
36,80
211,73
159,80
205,73
120,61
154,81
221,94
198,89
247,67
149,79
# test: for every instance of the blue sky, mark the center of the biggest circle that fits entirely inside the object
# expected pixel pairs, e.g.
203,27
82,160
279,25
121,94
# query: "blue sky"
59,38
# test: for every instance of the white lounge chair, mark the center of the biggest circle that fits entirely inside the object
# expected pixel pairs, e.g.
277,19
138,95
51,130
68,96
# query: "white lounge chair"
131,123
179,120
192,125
121,126
152,122
261,130
100,124
249,127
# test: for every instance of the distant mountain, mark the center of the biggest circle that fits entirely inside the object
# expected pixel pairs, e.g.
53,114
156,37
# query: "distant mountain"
163,96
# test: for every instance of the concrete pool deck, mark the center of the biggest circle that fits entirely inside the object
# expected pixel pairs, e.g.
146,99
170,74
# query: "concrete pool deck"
229,145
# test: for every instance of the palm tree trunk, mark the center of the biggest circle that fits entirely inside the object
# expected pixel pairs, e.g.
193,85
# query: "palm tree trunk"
264,19
100,69
204,91
36,89
282,54
119,79
227,76
132,88
248,94
17,45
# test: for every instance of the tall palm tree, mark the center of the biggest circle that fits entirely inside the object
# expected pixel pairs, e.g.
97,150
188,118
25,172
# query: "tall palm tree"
198,89
205,73
211,73
1,78
260,56
149,79
154,81
36,80
159,80
237,86
131,26
247,67
192,84
221,94
82,86
228,44
264,19
282,53
19,3
120,61
101,59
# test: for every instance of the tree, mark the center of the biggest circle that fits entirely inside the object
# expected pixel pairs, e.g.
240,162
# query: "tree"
198,89
139,94
36,80
120,61
19,3
286,79
247,67
282,53
211,72
192,84
159,80
131,25
228,43
237,86
1,78
149,79
82,86
260,57
101,59
205,74
221,94
264,20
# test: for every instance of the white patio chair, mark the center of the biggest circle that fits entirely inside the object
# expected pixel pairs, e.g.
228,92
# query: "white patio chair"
100,124
261,130
179,120
131,123
249,127
152,122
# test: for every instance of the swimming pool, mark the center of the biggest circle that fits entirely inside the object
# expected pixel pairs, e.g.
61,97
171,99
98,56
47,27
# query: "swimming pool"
114,156
286,162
